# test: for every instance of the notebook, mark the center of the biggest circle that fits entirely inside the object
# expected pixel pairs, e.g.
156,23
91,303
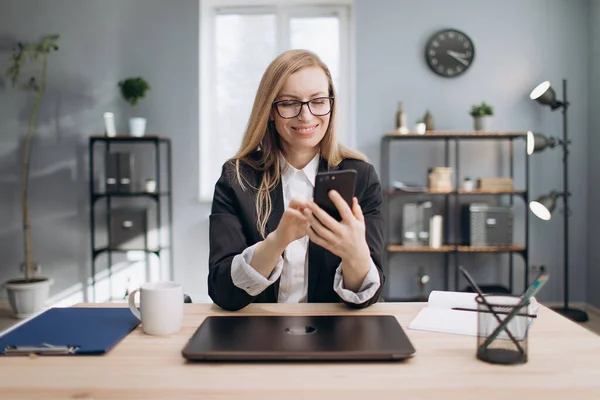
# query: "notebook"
439,315
69,331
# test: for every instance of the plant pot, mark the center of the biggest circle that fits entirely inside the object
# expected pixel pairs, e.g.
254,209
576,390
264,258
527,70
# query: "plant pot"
27,298
137,127
468,185
482,123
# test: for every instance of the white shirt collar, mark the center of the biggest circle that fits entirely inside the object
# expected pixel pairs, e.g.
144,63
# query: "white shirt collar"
310,170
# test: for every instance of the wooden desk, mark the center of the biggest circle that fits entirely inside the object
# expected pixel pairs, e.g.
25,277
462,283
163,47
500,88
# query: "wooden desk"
564,363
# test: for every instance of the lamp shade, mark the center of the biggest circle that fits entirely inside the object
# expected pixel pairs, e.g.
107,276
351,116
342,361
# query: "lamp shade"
543,206
544,94
538,142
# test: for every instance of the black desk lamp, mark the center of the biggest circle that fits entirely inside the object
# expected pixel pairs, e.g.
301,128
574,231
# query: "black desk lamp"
544,205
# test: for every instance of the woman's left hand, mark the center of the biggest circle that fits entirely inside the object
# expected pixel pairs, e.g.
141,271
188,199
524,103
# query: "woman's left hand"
345,238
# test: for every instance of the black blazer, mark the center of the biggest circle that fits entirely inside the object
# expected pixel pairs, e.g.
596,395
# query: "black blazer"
233,228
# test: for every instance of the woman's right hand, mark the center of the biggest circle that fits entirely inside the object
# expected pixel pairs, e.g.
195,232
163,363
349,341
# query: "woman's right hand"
293,225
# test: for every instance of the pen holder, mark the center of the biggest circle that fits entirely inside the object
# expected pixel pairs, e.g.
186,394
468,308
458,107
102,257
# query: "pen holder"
500,341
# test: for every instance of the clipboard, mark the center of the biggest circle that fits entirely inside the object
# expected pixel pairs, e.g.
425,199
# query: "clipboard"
69,331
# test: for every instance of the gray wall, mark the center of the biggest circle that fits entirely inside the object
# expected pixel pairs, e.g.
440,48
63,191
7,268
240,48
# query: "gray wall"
593,230
518,44
80,86
104,41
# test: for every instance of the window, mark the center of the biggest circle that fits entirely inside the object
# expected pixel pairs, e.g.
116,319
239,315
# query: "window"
238,40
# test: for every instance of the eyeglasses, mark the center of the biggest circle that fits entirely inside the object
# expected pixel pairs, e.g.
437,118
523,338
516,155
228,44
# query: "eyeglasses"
292,108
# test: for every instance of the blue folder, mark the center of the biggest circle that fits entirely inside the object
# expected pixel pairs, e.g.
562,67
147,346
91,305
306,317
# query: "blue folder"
70,331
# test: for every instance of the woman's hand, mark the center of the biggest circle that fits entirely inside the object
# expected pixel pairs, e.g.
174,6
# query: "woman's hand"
346,238
293,224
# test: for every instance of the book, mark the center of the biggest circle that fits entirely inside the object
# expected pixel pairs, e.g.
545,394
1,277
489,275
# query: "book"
442,314
409,187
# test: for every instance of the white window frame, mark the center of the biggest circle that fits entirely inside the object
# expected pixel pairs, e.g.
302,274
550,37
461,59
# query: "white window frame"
284,9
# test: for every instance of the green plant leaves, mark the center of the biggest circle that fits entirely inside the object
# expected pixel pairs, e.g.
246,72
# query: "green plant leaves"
32,53
480,110
133,89
35,53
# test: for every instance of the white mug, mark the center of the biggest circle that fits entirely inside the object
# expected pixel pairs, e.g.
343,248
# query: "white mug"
161,307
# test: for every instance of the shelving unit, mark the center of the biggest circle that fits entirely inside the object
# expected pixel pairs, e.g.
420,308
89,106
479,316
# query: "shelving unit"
394,248
454,249
163,193
460,191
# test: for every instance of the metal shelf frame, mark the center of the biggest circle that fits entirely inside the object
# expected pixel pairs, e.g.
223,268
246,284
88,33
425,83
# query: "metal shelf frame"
161,194
449,249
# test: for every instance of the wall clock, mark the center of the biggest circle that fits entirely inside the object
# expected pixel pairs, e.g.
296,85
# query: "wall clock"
449,53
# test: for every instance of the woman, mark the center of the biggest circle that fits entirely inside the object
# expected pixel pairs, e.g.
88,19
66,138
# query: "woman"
269,242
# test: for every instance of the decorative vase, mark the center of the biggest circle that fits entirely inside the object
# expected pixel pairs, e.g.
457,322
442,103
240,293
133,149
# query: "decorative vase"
421,128
137,127
482,123
27,298
109,124
401,120
428,119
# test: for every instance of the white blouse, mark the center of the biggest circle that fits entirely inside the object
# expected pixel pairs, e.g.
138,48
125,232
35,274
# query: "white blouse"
293,267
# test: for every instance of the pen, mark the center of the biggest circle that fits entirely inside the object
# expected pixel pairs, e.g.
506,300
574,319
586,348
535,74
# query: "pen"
41,350
490,312
529,293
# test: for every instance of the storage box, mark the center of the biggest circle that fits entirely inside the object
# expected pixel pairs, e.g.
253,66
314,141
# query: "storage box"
495,184
440,179
125,172
129,228
119,170
415,223
111,173
486,225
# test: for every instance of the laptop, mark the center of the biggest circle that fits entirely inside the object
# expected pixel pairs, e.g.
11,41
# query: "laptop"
293,337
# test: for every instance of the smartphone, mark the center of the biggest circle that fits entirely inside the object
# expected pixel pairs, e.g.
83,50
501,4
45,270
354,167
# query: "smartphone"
341,181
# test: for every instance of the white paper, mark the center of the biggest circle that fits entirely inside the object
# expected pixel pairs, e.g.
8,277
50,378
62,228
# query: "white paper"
439,316
447,300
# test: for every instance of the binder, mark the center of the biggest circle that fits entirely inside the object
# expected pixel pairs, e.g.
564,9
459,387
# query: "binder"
125,162
112,172
69,331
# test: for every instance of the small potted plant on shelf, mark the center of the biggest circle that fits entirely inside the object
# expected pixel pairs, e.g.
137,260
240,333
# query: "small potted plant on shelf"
421,127
28,295
482,116
468,184
133,90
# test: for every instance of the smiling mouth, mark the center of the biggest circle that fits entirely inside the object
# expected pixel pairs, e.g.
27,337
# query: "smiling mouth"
305,130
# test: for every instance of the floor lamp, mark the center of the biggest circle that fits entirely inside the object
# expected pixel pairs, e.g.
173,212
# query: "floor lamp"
544,205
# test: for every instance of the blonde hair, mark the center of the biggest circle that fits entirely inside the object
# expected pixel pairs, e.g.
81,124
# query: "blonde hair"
262,135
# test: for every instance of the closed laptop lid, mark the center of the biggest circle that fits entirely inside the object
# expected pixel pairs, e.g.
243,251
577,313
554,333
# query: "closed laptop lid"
348,337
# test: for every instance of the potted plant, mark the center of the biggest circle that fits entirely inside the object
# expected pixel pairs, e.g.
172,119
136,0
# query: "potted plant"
133,90
482,116
28,295
468,184
421,127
